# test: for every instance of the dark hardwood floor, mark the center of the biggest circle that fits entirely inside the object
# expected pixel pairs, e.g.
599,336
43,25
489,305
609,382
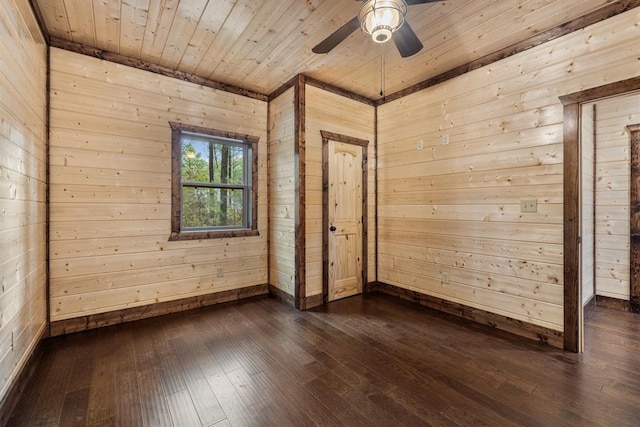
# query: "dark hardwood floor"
362,361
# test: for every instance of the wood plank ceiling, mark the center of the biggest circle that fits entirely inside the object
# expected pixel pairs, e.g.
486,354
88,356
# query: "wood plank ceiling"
260,45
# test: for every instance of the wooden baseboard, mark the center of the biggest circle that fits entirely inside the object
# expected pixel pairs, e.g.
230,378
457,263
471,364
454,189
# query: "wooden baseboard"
99,320
281,295
312,301
497,321
612,303
19,385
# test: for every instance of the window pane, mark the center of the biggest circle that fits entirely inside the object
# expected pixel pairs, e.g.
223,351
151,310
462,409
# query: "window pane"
212,207
212,161
195,161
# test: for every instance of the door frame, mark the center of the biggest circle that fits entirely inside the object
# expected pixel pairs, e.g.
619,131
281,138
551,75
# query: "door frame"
573,330
634,214
364,144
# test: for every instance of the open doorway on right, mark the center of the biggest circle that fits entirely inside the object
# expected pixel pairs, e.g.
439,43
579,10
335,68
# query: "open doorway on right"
610,234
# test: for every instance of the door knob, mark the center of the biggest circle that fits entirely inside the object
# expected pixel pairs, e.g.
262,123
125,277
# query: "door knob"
332,228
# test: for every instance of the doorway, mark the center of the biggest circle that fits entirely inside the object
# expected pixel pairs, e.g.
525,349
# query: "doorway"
573,234
344,183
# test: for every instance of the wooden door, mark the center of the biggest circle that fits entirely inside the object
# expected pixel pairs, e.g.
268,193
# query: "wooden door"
344,217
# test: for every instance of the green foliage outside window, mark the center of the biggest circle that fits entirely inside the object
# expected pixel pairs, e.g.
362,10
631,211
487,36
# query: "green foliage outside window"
215,183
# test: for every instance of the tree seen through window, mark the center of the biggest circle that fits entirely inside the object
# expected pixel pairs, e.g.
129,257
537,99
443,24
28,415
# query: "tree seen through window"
214,178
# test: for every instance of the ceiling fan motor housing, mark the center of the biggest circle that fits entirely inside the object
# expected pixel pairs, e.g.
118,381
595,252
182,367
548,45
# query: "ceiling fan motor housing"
381,18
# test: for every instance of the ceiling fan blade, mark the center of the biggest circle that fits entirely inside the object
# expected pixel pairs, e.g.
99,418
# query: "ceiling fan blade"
337,37
406,41
412,2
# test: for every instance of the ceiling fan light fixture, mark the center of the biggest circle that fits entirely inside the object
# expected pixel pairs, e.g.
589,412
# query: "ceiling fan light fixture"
381,18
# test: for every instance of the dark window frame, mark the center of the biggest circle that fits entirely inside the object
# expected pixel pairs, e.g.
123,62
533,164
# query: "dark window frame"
177,233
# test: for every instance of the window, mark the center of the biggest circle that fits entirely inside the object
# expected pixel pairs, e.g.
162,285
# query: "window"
214,183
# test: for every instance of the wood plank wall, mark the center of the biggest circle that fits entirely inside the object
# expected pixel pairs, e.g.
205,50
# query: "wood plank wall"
588,199
455,208
612,193
23,88
339,114
110,191
282,204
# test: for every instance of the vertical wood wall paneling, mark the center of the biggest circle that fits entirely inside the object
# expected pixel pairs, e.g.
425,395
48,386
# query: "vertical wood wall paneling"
454,208
111,189
299,146
634,288
23,187
282,208
326,137
339,114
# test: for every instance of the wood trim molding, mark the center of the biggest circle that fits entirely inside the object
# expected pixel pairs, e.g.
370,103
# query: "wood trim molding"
281,295
634,213
324,86
326,137
299,144
282,89
153,68
100,320
594,17
491,320
571,212
11,398
375,195
176,184
339,91
571,200
313,301
612,303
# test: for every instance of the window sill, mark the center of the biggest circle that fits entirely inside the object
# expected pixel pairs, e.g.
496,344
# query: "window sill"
201,235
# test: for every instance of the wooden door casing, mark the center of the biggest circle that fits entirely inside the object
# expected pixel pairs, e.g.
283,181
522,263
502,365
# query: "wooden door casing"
634,209
572,300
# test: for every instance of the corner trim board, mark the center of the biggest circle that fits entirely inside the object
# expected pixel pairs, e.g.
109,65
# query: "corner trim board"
299,146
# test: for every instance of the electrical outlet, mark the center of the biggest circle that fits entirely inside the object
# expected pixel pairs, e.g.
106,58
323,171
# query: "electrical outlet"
445,139
220,271
529,205
420,144
445,277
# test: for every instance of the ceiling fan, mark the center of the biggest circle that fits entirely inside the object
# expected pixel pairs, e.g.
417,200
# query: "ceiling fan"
382,20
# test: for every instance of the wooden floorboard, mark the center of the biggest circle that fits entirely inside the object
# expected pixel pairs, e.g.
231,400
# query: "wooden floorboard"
368,360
